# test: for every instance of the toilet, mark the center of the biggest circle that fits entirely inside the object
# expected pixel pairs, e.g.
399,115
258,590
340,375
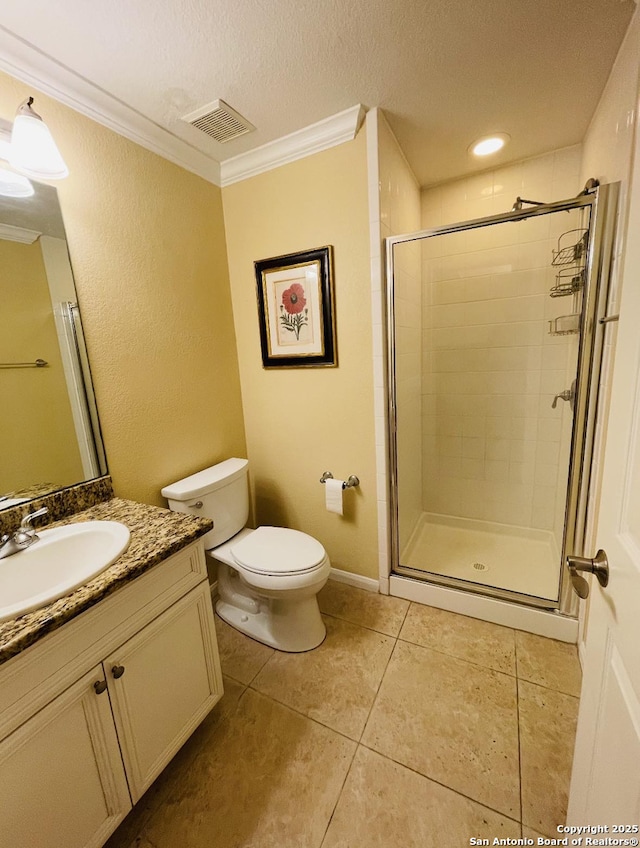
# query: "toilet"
269,578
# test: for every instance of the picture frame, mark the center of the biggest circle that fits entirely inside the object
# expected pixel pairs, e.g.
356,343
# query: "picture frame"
296,309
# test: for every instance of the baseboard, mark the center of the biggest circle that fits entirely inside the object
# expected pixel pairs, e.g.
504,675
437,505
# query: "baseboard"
337,574
356,580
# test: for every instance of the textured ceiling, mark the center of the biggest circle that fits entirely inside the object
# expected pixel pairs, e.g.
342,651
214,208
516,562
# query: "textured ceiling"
444,72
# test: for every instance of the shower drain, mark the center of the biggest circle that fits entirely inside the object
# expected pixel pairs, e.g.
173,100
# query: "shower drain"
480,566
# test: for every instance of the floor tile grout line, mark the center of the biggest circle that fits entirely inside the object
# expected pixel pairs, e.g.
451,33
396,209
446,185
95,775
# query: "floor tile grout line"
519,740
398,638
263,666
455,657
439,783
335,806
378,687
303,715
364,626
235,679
515,675
311,718
548,688
406,615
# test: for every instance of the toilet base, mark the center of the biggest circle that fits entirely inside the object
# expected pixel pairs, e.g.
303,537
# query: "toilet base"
290,626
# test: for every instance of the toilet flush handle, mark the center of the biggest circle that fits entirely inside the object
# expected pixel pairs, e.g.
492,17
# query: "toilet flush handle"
197,505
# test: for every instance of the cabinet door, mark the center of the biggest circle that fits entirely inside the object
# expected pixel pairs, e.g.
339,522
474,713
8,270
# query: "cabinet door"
61,773
162,683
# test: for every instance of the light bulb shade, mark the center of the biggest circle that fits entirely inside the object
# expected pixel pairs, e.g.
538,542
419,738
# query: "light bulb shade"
33,150
14,185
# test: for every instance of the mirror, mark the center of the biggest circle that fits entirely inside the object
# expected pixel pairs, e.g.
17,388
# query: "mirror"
49,428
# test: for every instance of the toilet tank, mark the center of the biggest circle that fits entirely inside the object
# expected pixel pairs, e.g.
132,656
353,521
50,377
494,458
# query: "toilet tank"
220,493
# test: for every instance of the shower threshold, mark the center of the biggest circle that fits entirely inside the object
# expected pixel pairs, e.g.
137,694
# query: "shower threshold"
498,556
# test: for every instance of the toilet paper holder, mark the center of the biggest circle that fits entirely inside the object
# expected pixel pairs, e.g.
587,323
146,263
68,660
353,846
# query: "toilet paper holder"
349,483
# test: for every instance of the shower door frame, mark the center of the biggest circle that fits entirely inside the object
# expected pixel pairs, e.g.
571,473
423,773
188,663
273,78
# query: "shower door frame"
603,201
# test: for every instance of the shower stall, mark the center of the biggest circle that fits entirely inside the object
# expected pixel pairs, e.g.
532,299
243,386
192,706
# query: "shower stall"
495,337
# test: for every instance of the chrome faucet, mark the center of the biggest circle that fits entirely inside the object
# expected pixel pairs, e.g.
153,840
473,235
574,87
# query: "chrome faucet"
25,535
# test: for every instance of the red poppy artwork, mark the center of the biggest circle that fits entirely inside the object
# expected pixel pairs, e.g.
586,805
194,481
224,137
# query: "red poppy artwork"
294,303
295,309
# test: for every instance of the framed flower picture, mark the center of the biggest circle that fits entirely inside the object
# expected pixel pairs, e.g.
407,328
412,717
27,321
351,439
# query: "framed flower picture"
296,311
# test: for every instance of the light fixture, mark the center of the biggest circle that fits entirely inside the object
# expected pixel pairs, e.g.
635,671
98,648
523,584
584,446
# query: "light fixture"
14,185
489,144
33,151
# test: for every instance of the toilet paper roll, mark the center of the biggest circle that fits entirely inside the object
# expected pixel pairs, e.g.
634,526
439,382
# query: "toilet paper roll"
333,495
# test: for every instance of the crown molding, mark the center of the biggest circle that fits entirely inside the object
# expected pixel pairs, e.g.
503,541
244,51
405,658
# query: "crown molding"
321,136
26,63
24,236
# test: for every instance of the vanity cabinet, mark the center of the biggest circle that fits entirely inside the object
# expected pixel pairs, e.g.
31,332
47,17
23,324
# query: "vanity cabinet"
145,671
62,777
161,685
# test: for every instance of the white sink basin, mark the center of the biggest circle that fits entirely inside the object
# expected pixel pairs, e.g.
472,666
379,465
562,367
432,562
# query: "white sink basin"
62,559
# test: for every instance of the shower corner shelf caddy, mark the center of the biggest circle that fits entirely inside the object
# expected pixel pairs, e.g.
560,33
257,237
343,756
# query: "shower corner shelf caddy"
565,325
570,279
572,248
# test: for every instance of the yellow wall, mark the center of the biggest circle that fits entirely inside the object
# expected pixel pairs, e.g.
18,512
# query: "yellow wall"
37,435
301,422
147,246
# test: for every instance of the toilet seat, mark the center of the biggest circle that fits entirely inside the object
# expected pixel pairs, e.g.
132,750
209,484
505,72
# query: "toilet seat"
278,552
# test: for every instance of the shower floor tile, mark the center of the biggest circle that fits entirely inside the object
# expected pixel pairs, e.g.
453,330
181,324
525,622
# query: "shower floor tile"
498,555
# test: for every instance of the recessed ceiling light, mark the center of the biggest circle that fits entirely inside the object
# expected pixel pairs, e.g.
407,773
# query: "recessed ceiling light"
489,144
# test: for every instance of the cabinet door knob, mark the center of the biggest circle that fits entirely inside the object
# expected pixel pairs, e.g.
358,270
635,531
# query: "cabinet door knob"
117,671
100,686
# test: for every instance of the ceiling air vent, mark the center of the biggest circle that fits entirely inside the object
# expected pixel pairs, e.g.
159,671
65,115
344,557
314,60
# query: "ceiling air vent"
219,121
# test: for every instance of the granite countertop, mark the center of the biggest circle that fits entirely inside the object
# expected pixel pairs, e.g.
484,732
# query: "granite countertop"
156,533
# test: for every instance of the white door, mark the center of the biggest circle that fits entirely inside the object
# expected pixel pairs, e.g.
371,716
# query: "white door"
605,784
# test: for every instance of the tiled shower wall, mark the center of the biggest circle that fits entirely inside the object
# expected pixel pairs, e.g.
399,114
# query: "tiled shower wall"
493,447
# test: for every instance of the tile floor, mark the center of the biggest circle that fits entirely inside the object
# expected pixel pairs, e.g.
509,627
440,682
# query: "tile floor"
409,727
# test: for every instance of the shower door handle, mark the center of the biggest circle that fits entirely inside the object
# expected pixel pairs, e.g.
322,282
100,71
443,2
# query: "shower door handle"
599,566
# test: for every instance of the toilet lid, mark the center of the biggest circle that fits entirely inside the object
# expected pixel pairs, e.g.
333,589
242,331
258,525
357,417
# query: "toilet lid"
278,550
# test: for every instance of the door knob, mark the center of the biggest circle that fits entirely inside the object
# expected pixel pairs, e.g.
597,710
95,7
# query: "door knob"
117,671
599,566
100,686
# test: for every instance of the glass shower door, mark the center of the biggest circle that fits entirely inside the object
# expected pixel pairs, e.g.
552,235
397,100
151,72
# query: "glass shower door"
487,324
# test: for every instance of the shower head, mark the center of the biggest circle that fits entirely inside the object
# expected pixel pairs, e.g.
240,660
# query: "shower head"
520,201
